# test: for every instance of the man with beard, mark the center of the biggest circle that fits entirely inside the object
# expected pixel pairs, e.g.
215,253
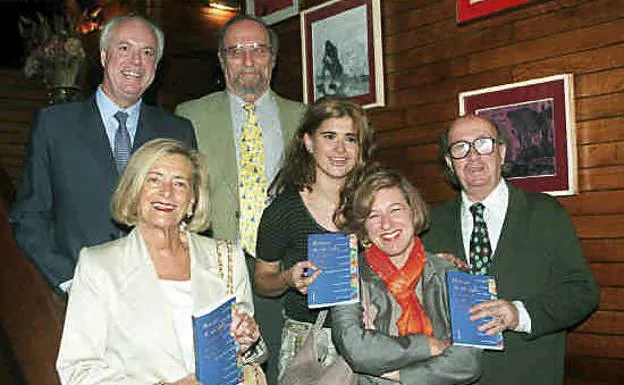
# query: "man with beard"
527,242
247,53
77,151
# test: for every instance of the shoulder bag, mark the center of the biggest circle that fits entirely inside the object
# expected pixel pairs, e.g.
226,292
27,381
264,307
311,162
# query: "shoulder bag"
252,372
305,368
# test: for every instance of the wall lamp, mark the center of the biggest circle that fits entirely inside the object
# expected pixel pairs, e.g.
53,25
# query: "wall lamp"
228,5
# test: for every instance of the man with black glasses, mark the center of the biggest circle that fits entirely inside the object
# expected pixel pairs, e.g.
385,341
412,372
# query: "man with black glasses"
527,242
243,131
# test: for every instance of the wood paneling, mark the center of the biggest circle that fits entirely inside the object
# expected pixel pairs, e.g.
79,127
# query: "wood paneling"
600,130
601,178
428,60
603,250
595,202
589,370
609,322
20,98
612,298
596,345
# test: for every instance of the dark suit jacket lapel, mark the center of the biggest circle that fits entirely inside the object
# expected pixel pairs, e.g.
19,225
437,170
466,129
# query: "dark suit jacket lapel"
456,230
509,240
93,133
146,127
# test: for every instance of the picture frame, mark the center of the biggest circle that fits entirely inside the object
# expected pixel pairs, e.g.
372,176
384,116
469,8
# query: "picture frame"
537,117
272,11
473,9
342,52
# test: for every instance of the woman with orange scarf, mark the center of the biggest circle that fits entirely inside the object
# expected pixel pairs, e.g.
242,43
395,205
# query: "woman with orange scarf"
401,331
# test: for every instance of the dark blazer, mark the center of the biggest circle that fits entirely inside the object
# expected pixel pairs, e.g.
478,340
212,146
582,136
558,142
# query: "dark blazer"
539,261
68,178
372,352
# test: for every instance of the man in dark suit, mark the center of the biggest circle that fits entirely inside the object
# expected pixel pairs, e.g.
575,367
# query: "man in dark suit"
77,151
527,241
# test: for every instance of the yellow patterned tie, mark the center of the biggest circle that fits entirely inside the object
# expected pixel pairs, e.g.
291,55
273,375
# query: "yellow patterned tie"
252,184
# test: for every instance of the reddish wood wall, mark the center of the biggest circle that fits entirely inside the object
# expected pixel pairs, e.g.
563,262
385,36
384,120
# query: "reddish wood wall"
428,60
20,99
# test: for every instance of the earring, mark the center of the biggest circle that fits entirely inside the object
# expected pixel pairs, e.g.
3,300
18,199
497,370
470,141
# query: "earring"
185,221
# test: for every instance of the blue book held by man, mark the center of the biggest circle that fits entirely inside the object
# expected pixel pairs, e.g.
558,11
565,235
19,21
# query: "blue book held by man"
464,291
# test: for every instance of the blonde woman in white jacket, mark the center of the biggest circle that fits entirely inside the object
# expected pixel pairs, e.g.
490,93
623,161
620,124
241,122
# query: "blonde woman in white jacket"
129,312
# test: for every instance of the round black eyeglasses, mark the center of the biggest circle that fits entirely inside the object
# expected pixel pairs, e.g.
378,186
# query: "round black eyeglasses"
461,148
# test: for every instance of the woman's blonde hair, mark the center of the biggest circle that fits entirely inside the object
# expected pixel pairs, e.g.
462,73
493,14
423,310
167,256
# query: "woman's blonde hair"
359,208
124,204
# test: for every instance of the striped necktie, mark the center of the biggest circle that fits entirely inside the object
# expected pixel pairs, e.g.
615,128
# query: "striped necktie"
252,184
480,248
122,141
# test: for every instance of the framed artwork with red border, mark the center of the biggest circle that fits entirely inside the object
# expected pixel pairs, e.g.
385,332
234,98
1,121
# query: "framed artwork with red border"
272,11
342,51
473,9
538,121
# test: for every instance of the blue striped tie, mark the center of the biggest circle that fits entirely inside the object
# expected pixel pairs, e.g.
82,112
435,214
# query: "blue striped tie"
122,141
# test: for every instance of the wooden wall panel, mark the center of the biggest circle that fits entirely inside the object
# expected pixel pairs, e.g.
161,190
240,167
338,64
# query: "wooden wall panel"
610,322
20,99
604,250
601,178
595,203
428,60
596,345
600,130
587,370
594,59
612,298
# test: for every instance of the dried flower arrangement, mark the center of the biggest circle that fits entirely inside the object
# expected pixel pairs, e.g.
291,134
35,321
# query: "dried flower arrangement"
55,50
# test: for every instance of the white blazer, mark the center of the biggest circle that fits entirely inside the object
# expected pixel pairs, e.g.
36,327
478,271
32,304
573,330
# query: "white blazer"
118,327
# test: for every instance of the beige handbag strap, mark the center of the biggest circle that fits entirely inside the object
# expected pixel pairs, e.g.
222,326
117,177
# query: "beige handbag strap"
320,320
228,248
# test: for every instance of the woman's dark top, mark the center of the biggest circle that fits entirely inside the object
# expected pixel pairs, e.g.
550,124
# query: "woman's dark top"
283,236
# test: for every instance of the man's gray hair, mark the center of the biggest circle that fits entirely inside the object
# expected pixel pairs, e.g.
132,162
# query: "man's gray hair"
110,25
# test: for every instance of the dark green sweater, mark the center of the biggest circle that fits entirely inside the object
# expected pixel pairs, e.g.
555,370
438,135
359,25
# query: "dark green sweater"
538,261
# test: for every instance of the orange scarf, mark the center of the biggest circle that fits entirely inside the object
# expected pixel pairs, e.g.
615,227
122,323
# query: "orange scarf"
402,284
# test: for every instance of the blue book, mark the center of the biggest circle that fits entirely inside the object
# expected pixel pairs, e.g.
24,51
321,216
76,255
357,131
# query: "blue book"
336,255
215,348
464,291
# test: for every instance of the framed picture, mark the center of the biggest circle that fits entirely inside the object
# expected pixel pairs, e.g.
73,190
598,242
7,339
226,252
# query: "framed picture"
472,9
272,11
537,118
342,54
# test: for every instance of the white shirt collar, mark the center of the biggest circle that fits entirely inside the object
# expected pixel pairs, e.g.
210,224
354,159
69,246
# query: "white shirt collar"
496,200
